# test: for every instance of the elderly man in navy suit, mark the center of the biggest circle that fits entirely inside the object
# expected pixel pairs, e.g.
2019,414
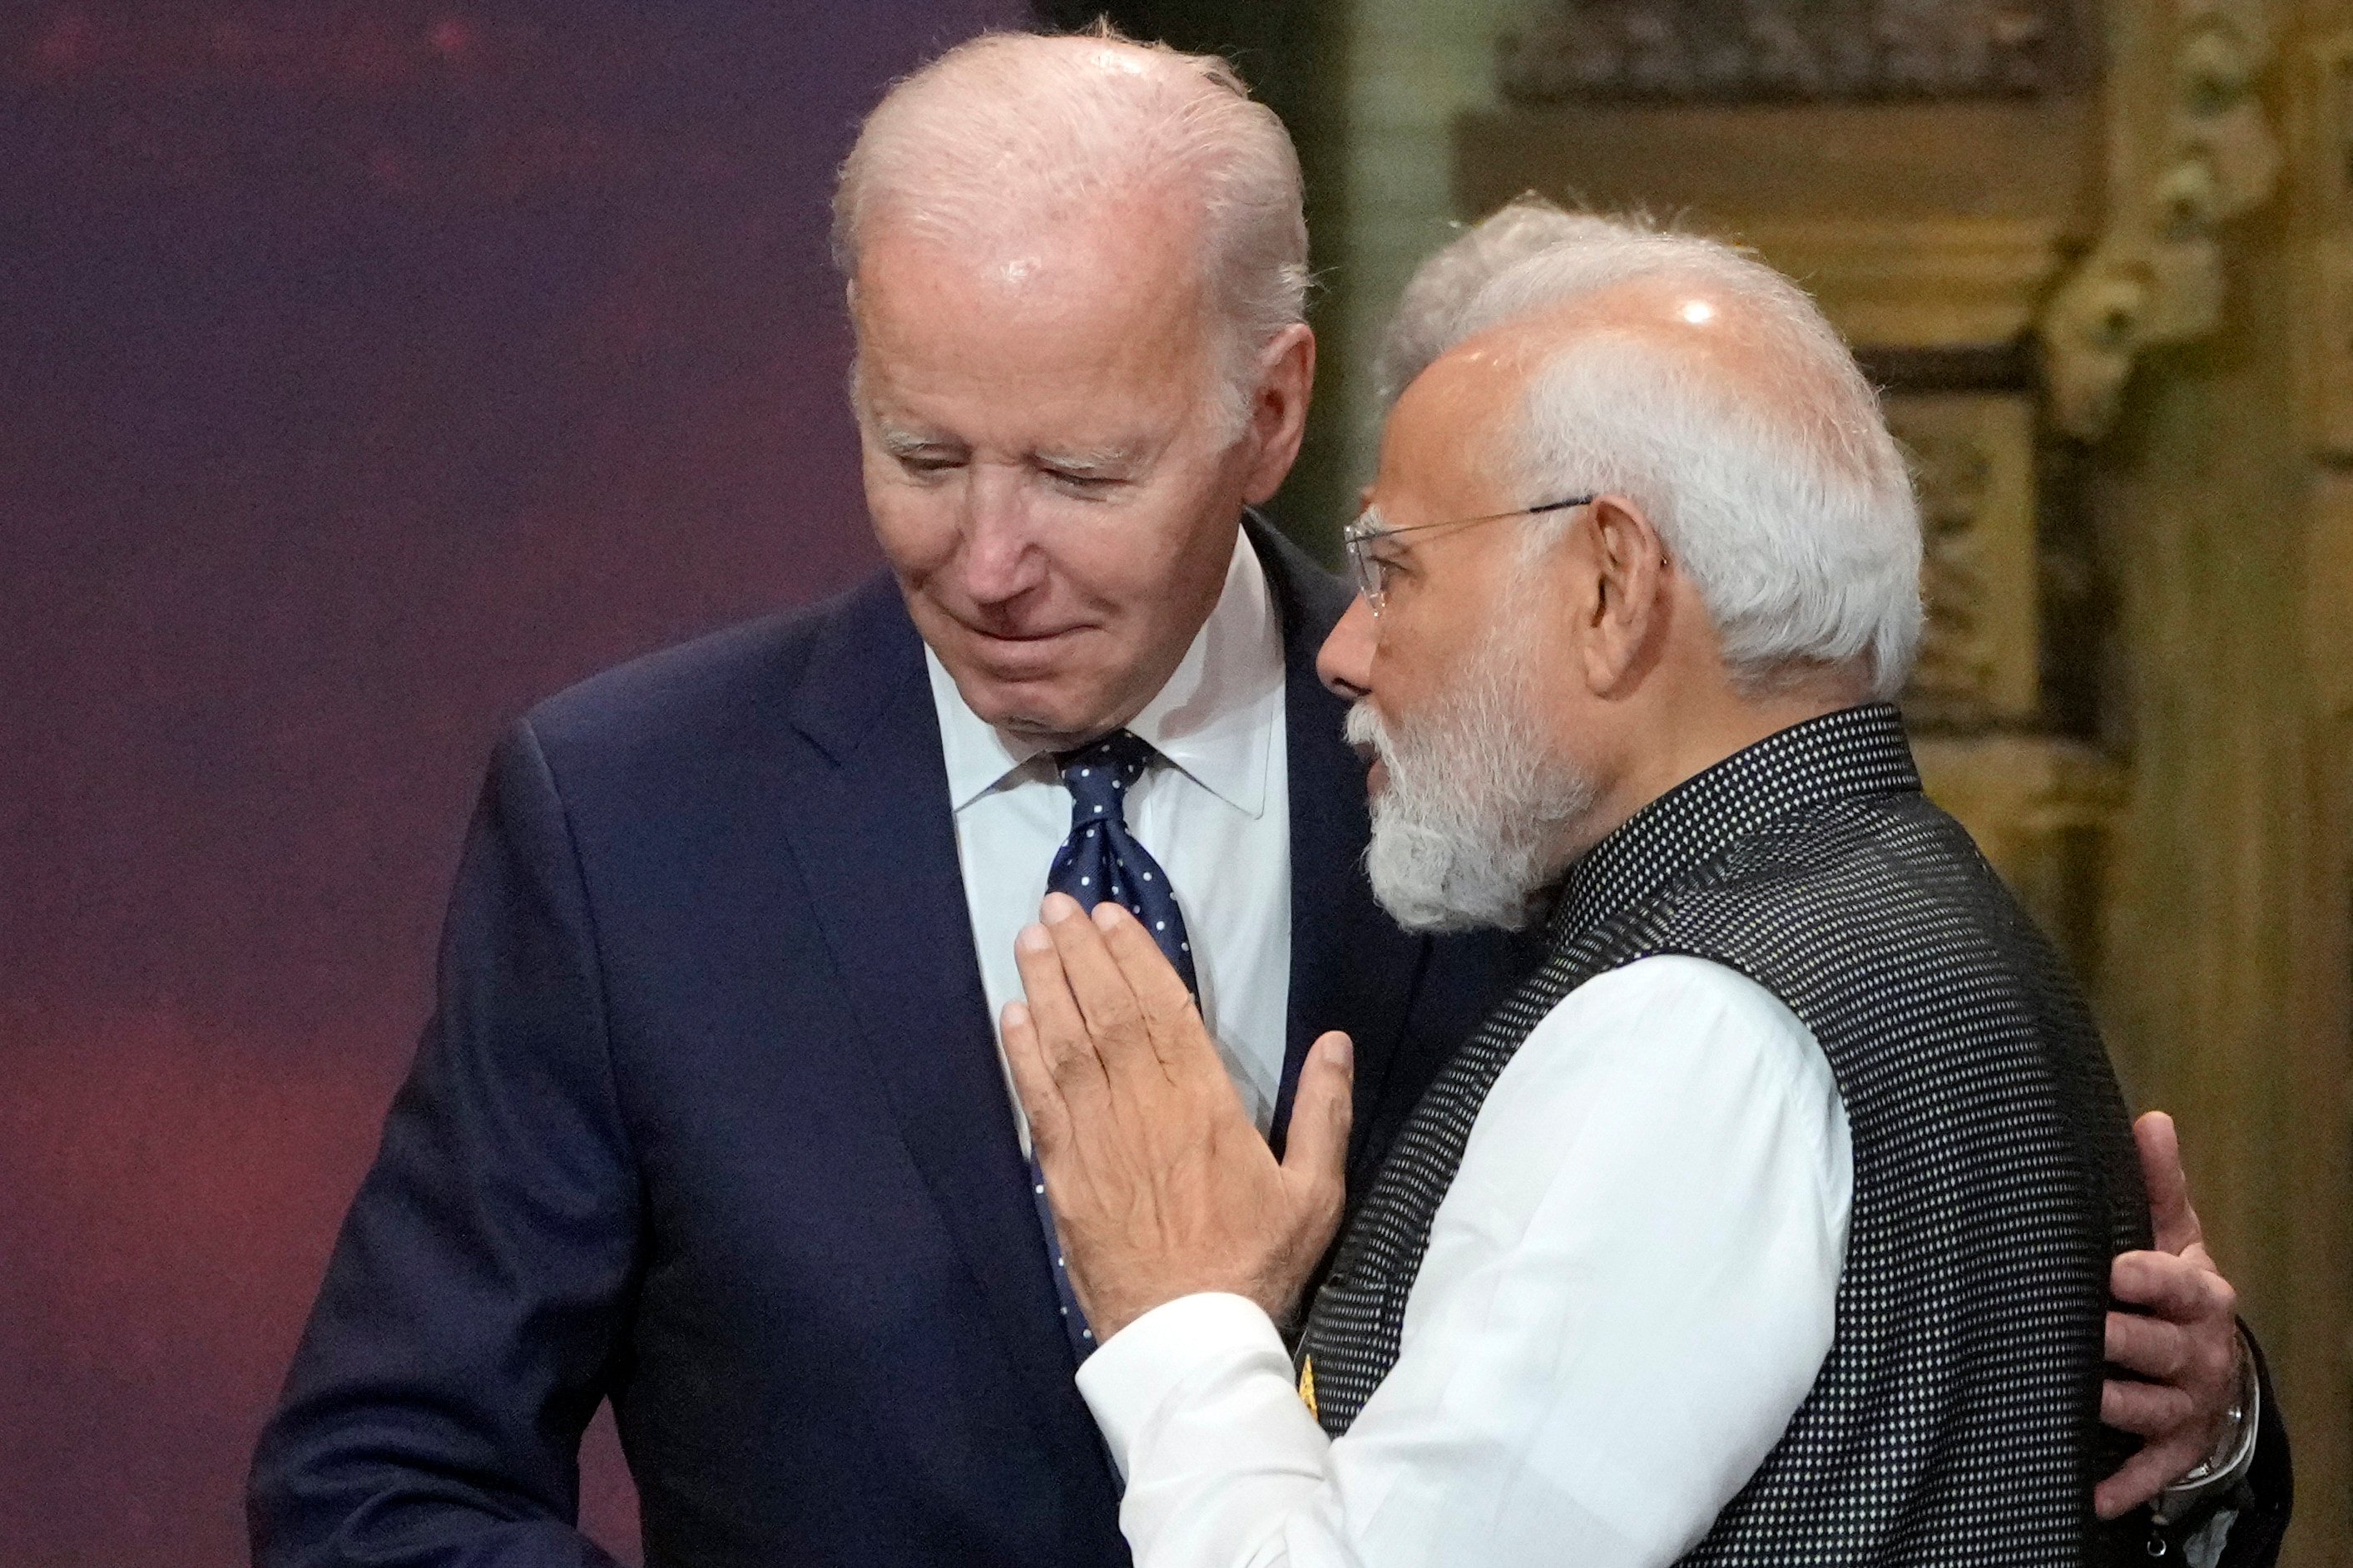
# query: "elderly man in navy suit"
712,1120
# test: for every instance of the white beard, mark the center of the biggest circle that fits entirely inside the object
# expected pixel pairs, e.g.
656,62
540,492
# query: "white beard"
1467,833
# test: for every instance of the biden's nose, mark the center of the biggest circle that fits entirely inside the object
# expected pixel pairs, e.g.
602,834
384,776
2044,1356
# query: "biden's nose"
1000,559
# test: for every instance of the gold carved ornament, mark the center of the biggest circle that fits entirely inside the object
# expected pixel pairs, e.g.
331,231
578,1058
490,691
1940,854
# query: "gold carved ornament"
2188,148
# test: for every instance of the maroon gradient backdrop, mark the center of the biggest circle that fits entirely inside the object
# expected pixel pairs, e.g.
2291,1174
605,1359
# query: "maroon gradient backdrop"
367,369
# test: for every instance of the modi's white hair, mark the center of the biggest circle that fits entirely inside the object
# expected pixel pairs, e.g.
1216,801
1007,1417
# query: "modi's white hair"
1446,286
1012,133
1777,490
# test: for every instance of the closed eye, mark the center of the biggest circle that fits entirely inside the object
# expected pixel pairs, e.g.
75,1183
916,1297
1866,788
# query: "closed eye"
925,463
1089,473
1084,484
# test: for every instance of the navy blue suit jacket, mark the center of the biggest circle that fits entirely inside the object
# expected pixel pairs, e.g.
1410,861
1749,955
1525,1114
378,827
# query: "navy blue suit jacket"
709,1120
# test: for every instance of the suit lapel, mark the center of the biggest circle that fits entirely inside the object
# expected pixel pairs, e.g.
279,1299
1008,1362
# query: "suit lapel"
874,834
1351,967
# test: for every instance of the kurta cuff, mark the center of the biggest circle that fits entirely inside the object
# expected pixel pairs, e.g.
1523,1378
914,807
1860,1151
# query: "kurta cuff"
1132,1373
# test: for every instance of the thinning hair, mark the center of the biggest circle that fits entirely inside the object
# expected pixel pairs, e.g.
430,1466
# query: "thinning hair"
1776,488
1012,133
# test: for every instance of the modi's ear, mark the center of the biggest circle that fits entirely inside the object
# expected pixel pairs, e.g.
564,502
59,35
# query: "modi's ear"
1625,566
1278,411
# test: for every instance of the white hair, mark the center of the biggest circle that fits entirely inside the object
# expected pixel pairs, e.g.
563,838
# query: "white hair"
1012,133
1427,322
1780,493
1466,832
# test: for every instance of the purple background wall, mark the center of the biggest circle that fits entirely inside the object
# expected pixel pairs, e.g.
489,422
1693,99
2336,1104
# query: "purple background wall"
367,368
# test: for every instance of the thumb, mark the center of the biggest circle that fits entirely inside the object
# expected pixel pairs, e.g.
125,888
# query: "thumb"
2175,1221
1316,1149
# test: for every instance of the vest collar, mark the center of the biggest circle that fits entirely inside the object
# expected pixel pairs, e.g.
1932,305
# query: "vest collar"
1851,754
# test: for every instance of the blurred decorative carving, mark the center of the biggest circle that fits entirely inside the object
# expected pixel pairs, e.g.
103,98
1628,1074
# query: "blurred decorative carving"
1973,464
1918,283
2043,811
2188,148
1809,51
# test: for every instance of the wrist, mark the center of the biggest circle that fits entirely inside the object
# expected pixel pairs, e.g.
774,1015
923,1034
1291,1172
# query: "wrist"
1113,1313
1111,1310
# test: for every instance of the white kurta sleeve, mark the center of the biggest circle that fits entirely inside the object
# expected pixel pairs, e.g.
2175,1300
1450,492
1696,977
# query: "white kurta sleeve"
1629,1289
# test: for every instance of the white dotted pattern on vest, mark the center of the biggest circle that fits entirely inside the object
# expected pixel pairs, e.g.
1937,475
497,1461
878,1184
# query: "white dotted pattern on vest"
1954,1421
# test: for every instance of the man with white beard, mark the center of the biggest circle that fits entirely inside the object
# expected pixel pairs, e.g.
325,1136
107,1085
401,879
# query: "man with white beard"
1654,1273
2184,1375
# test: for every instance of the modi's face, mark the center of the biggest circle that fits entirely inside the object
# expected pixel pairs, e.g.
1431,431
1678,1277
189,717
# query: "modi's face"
1053,470
1470,788
1472,801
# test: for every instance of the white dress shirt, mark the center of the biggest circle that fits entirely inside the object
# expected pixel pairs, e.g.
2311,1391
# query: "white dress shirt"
1628,1291
1214,809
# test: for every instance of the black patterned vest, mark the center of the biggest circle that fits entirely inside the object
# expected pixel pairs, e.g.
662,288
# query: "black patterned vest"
1956,1418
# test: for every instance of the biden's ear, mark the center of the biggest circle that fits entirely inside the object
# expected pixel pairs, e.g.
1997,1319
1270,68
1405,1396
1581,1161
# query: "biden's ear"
1278,410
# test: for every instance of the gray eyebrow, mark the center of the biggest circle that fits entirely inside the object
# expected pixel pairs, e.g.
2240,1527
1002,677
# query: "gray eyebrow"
1091,460
902,442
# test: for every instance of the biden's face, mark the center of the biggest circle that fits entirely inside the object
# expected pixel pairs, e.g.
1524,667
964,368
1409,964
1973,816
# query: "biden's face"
1054,468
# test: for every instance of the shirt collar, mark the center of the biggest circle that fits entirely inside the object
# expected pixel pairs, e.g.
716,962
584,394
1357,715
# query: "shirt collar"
1849,754
1217,718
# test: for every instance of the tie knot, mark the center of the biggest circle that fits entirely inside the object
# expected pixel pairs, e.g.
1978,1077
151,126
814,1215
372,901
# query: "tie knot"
1099,774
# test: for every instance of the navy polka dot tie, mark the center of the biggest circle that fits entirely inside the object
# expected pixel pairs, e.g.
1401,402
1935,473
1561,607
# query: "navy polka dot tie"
1100,861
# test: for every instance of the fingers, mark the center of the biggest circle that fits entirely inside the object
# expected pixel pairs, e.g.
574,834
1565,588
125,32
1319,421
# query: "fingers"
2170,1213
1136,950
2148,1347
1317,1150
1064,1047
2142,1476
1041,1099
2145,1409
2180,1289
1104,998
1177,1036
